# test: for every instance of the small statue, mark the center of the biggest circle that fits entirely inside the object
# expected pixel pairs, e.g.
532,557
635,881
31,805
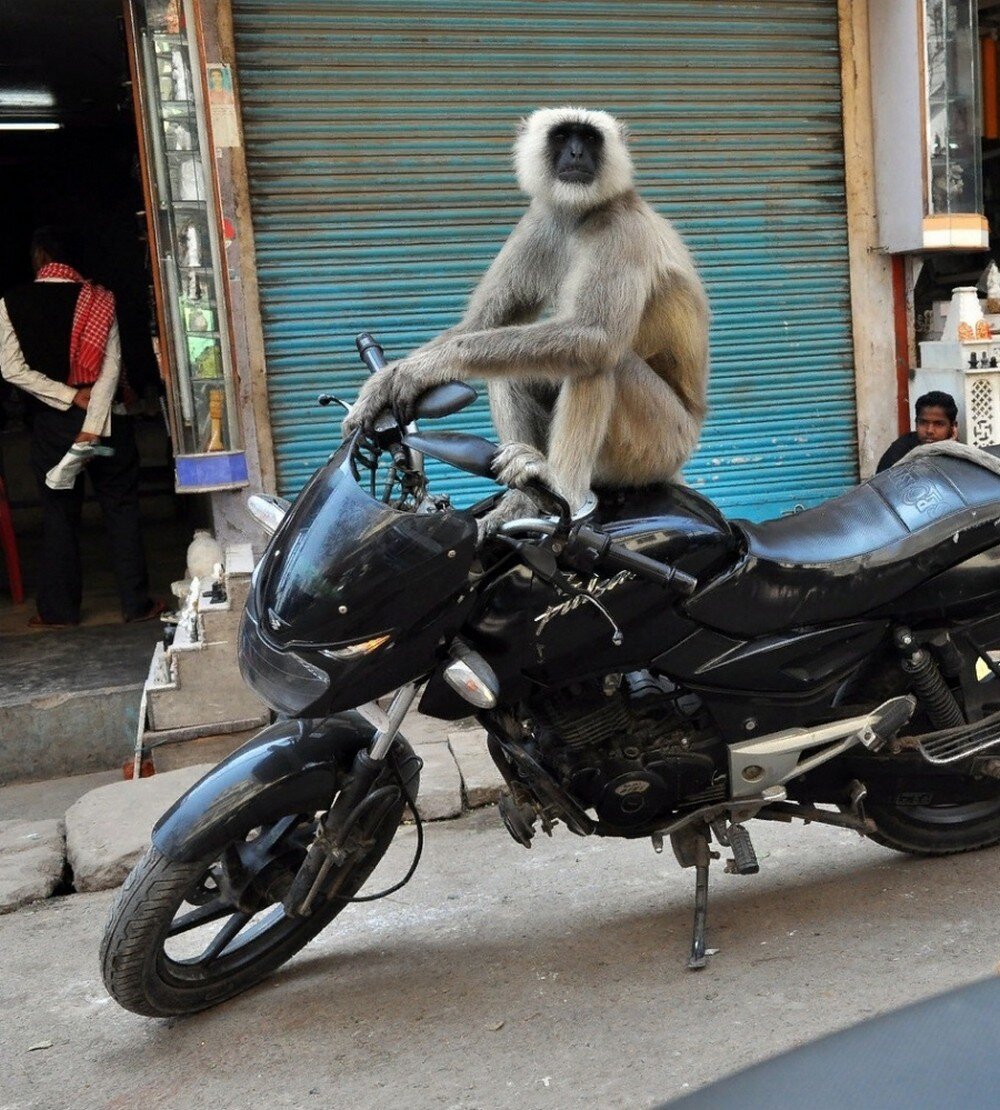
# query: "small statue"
190,246
992,276
178,72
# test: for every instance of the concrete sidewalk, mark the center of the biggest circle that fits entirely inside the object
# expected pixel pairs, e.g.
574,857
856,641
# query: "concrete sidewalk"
85,833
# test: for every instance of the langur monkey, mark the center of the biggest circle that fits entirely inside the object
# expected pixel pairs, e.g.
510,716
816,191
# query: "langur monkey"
590,326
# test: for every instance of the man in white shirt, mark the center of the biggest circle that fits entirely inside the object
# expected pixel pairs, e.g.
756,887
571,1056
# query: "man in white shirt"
59,343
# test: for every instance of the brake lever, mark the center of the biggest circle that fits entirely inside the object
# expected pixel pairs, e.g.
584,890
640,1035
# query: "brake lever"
541,561
548,500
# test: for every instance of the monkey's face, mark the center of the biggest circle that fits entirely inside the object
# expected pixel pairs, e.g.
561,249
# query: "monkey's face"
575,151
572,158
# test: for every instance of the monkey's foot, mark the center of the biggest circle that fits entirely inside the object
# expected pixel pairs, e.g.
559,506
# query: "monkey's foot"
513,506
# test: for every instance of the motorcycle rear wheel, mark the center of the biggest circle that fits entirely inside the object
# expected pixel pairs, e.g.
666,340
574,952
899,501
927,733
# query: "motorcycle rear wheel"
937,830
157,955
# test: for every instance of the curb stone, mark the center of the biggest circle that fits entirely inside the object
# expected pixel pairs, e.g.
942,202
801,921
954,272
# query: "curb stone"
32,854
440,783
480,776
108,830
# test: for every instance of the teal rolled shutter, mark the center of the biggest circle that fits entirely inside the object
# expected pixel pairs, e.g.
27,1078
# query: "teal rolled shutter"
378,141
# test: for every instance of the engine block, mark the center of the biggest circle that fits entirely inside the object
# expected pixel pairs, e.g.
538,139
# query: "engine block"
631,747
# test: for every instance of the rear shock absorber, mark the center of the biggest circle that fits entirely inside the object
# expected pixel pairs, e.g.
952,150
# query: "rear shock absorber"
925,678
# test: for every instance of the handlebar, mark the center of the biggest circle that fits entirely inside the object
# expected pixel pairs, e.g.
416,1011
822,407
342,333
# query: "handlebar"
371,353
374,358
620,557
601,548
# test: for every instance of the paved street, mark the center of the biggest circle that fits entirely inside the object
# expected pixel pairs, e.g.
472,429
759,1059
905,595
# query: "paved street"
504,978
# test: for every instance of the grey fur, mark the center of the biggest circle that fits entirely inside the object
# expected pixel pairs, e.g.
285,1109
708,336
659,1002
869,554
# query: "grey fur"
591,327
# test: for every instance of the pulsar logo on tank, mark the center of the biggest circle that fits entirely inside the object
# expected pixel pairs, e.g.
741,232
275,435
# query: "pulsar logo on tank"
595,588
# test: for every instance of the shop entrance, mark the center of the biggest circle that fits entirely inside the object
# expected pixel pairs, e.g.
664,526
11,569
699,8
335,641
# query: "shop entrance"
69,156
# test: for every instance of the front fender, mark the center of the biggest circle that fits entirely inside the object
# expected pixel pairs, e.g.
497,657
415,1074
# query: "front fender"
290,766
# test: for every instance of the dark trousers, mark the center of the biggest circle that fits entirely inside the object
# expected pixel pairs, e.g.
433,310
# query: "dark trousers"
116,483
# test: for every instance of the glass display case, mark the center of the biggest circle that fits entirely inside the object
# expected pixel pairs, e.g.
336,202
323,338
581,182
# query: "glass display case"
954,173
925,102
185,235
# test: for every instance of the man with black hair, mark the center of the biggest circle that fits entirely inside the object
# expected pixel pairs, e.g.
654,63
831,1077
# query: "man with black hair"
59,343
937,420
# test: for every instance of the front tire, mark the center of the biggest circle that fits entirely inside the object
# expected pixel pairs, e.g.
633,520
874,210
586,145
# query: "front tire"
937,830
185,936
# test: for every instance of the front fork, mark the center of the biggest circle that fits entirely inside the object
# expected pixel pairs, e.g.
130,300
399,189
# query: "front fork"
340,834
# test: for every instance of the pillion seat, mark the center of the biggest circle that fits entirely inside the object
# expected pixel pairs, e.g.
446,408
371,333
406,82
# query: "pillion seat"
857,552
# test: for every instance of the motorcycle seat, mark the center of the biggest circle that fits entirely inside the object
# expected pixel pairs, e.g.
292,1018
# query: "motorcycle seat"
857,552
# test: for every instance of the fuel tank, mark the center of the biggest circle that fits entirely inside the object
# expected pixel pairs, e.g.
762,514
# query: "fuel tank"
533,634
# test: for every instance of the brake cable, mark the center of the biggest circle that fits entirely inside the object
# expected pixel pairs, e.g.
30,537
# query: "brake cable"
411,805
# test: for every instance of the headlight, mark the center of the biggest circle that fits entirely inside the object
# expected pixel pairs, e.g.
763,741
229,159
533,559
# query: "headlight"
288,683
354,651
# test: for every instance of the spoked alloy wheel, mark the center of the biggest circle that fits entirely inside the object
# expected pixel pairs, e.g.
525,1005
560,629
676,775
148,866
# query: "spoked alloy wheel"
938,830
184,936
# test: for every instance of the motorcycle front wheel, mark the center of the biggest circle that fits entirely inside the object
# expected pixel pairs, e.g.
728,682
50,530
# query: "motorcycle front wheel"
185,936
937,830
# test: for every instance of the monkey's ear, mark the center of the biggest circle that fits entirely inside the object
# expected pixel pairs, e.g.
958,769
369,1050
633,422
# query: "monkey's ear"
522,126
623,132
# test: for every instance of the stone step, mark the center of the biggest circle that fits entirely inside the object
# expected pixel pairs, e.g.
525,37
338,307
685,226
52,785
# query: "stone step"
197,681
205,688
69,700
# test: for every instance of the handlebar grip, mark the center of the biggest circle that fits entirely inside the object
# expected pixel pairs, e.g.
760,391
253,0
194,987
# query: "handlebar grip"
371,353
622,558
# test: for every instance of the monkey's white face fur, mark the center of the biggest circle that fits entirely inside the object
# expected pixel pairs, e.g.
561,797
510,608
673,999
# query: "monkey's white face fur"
534,170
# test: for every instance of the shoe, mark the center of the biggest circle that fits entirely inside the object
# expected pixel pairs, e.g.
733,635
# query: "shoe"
37,622
154,610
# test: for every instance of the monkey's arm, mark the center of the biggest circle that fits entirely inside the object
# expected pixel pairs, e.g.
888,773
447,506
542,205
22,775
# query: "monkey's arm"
508,291
595,325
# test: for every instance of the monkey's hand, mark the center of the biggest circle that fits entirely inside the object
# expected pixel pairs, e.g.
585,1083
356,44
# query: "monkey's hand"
374,398
411,379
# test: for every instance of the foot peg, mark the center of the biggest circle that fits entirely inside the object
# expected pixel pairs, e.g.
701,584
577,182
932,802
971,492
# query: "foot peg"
744,861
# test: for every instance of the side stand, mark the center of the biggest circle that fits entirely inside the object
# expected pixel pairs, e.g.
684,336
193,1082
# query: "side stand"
702,860
691,846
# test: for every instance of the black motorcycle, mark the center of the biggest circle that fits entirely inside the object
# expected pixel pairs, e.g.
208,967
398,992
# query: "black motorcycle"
645,669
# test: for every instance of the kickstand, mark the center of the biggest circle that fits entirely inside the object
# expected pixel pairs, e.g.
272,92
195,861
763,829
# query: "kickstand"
702,859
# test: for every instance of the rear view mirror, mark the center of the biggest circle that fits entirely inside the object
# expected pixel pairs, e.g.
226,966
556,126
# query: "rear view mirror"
472,454
443,400
268,511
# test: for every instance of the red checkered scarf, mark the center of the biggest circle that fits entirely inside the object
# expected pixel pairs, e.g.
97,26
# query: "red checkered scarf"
92,320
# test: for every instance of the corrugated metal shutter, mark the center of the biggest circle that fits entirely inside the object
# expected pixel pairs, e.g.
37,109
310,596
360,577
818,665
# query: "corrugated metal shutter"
378,139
